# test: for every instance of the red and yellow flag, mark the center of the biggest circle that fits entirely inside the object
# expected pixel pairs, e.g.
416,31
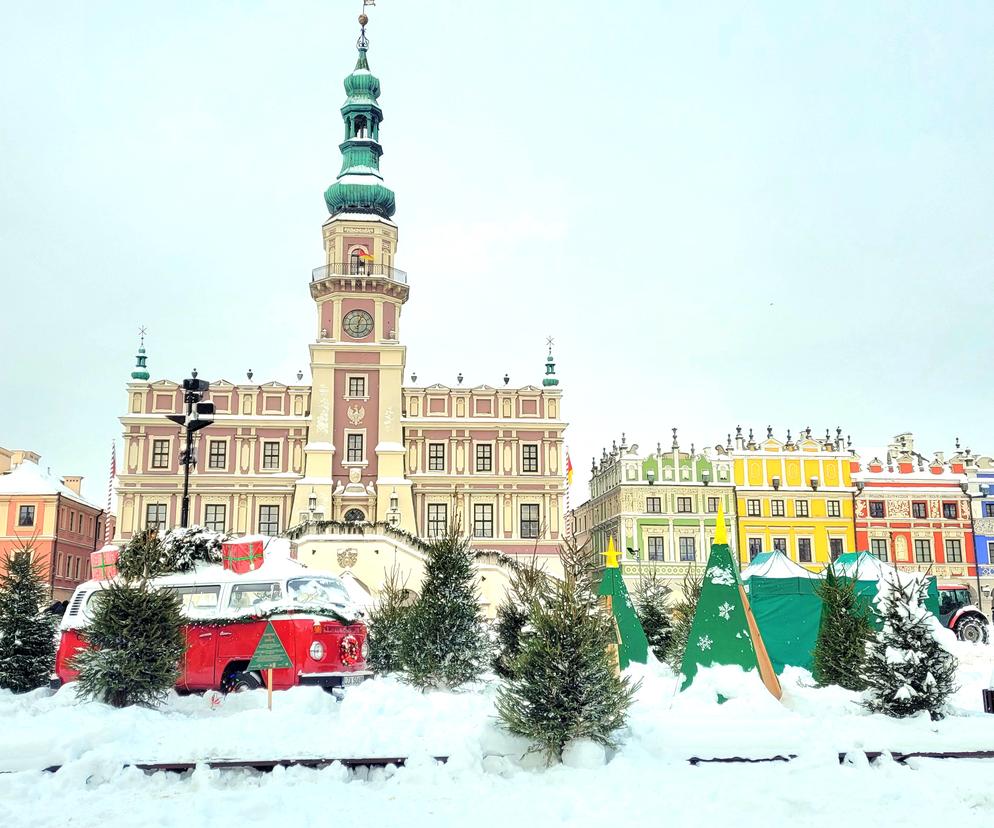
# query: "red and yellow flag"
569,470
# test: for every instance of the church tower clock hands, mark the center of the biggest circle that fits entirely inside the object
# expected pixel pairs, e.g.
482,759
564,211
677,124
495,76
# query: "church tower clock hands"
354,457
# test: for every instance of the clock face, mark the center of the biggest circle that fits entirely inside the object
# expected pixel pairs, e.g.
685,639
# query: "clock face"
358,324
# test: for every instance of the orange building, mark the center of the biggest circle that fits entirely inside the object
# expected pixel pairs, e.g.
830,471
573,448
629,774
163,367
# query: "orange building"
50,517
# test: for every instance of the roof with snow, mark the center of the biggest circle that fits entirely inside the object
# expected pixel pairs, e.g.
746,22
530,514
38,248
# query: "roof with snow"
29,479
776,565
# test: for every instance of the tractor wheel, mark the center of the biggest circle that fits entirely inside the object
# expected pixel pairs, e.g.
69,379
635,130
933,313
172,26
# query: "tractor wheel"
972,629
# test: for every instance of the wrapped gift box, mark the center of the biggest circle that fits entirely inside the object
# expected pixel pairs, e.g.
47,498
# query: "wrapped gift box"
103,563
241,555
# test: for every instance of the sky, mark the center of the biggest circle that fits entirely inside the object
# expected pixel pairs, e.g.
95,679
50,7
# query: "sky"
758,214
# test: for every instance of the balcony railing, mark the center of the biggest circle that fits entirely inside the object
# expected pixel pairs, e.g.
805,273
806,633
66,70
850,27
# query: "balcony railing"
359,269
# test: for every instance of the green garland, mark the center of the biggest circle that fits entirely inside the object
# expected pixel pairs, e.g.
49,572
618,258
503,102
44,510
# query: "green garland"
340,527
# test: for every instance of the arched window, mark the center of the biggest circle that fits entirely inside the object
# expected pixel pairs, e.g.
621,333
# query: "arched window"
355,516
361,126
357,261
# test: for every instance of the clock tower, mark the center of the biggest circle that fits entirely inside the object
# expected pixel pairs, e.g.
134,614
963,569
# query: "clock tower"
354,456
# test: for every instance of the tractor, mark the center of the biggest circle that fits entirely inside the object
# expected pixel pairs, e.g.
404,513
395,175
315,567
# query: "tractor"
958,612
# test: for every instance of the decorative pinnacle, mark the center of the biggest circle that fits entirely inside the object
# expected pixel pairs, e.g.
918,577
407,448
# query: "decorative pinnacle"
363,42
141,360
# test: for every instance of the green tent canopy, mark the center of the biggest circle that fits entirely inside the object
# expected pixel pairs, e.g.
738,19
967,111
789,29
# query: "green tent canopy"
868,571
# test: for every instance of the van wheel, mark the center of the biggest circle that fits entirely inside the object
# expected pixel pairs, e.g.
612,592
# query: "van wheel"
240,683
972,629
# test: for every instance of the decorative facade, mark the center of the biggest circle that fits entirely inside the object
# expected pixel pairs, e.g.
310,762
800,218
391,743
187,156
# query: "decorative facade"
661,508
355,459
981,490
51,518
915,512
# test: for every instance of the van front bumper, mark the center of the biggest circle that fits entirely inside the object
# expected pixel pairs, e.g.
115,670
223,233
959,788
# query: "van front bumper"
335,679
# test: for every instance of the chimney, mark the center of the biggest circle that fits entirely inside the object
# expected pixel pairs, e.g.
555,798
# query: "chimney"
72,482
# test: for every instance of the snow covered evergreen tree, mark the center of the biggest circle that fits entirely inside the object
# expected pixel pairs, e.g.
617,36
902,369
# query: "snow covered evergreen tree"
683,616
445,643
565,684
143,557
652,603
528,585
843,634
183,549
386,625
27,634
907,669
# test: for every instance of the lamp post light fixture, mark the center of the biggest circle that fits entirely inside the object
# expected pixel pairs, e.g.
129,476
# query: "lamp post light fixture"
776,484
312,503
706,476
651,475
393,513
814,484
198,415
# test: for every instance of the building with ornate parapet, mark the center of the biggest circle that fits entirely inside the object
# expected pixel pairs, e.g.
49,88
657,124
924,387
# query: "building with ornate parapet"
355,459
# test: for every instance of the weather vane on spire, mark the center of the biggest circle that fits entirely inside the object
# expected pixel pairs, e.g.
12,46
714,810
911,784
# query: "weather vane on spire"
550,342
142,330
363,42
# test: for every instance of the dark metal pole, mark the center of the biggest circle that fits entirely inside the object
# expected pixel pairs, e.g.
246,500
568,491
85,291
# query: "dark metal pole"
184,521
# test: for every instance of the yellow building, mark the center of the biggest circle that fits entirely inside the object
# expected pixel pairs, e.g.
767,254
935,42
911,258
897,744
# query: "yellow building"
794,496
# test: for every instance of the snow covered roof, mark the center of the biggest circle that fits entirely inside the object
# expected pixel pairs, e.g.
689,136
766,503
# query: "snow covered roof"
776,565
863,566
29,479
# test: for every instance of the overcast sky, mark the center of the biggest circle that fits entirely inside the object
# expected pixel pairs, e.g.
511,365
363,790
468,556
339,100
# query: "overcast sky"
725,213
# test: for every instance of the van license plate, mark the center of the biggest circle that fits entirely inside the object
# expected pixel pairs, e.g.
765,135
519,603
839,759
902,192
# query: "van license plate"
348,681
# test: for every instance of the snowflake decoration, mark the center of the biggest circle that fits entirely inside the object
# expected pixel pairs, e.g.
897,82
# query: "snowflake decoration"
704,642
725,610
721,576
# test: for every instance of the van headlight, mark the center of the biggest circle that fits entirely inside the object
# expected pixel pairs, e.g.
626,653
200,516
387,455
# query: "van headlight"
317,650
364,651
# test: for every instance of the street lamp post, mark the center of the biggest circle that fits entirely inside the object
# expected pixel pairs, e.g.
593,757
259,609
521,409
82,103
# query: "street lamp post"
198,415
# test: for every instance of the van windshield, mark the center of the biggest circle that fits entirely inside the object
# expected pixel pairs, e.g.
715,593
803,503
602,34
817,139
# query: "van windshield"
317,590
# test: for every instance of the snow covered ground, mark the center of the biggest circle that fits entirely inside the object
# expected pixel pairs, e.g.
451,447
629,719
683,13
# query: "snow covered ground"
647,781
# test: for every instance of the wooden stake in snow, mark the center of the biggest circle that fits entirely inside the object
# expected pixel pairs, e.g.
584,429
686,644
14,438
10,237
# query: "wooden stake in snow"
269,654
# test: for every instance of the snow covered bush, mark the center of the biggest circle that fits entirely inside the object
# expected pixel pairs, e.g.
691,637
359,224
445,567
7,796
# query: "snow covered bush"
445,643
183,549
843,633
907,670
566,685
683,616
27,634
136,641
387,620
652,604
528,585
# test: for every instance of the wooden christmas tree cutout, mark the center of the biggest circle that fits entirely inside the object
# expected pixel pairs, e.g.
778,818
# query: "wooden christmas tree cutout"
632,644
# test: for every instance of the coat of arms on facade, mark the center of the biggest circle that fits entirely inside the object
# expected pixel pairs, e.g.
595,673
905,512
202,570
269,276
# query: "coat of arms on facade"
356,414
347,557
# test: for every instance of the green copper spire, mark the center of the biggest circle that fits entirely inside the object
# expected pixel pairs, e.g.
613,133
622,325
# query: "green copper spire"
141,369
550,380
359,187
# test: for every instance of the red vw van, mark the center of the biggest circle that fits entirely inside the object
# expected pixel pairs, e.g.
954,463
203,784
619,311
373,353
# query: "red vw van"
319,626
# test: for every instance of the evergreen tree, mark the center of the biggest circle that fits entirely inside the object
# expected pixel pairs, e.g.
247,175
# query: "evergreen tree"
683,615
136,637
183,549
27,634
565,683
843,634
907,670
652,603
386,625
143,557
445,643
528,585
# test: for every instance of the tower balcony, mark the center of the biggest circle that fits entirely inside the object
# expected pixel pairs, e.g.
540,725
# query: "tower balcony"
359,270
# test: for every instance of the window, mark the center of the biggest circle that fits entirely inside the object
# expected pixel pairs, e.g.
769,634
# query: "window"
355,516
835,547
249,596
777,508
529,458
655,549
271,454
26,516
269,520
918,510
752,508
72,521
214,516
684,504
878,547
804,550
989,510
876,508
954,550
654,505
484,457
160,454
357,386
801,508
197,600
712,505
75,568
780,545
949,511
438,519
834,508
923,550
688,549
354,448
755,547
217,457
155,516
483,520
436,457
529,520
